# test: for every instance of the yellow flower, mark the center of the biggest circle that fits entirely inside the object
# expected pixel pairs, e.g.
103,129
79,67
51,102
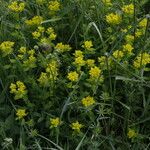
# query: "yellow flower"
138,33
60,47
118,54
52,70
54,6
90,62
19,90
76,126
16,6
127,48
73,76
79,61
128,9
94,72
36,34
55,122
40,29
88,101
52,36
88,45
22,50
141,60
43,79
107,2
6,48
129,38
131,133
50,30
36,20
143,23
78,53
113,19
21,113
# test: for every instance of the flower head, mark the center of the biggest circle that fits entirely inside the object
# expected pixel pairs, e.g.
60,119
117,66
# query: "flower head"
73,76
141,60
113,18
6,47
128,9
36,20
16,6
94,72
60,47
88,101
21,113
127,48
19,90
54,122
88,45
131,133
76,126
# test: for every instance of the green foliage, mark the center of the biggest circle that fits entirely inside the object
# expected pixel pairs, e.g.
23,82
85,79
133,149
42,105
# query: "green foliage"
106,44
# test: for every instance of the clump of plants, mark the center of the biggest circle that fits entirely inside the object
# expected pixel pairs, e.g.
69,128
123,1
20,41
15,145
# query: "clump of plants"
74,74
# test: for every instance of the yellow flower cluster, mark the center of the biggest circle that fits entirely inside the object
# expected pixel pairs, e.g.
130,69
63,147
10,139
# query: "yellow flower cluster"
52,70
90,62
88,101
143,23
16,6
118,54
142,60
6,47
21,113
76,126
113,18
94,72
60,47
54,6
36,34
22,51
43,79
107,2
131,133
128,48
79,58
50,74
36,20
51,33
55,122
73,76
129,38
88,45
128,9
29,62
19,90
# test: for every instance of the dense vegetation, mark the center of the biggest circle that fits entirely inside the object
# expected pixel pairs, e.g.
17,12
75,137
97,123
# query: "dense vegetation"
74,74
